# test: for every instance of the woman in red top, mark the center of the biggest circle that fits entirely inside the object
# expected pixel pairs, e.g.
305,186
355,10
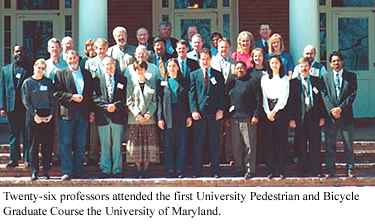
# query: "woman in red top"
245,43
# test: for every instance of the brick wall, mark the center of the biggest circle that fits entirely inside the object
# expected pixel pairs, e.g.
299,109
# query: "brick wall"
275,12
130,14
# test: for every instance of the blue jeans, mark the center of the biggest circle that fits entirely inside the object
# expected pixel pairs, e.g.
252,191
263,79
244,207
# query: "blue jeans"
110,143
72,143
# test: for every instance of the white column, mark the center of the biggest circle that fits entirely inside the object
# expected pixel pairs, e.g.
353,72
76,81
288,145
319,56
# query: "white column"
303,26
93,23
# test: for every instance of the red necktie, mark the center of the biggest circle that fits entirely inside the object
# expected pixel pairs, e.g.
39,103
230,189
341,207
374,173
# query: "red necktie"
205,78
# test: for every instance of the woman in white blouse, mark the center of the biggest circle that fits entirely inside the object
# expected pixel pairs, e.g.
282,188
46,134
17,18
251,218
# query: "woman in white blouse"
275,89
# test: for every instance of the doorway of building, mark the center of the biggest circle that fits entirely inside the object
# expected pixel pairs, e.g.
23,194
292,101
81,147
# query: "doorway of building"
34,31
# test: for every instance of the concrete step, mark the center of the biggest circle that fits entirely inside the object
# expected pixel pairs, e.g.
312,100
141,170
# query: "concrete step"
189,182
157,170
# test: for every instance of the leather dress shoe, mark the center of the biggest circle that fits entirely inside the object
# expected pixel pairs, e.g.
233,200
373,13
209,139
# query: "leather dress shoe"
46,175
331,175
249,175
12,164
215,175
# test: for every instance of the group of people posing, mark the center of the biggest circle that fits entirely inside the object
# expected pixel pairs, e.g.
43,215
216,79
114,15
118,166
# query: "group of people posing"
178,96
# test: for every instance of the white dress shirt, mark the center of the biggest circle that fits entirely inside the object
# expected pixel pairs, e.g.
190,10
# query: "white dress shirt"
275,88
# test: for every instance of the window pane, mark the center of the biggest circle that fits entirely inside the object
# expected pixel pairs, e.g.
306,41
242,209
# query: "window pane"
165,18
7,23
7,4
68,4
353,3
323,38
165,4
195,4
226,26
226,3
37,4
353,42
68,23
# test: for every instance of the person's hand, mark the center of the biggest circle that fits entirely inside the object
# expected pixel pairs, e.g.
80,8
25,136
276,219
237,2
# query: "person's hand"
147,116
292,124
3,113
336,112
111,108
92,117
219,114
77,98
37,119
254,121
270,116
189,122
139,118
321,122
48,119
161,124
196,116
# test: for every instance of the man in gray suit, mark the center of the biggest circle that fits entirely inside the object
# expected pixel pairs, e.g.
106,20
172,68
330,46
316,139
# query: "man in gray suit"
122,51
339,93
11,78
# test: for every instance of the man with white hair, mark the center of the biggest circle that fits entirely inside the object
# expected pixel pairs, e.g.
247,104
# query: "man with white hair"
142,54
67,44
143,38
122,51
316,68
197,45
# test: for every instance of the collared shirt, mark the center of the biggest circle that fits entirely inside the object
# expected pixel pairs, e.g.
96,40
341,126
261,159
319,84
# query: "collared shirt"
78,80
110,83
183,65
307,90
53,67
275,88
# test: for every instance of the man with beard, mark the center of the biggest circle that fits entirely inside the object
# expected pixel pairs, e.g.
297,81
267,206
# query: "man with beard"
317,69
11,78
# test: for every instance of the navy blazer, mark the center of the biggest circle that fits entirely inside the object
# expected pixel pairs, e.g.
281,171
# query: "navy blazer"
259,44
65,88
206,102
296,100
346,98
164,111
7,88
101,100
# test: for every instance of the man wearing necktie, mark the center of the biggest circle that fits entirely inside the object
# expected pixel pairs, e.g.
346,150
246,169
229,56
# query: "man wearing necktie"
186,64
306,112
110,117
161,56
206,99
265,33
339,93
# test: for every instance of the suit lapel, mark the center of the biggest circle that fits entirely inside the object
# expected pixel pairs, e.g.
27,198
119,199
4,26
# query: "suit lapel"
332,87
344,85
70,82
103,86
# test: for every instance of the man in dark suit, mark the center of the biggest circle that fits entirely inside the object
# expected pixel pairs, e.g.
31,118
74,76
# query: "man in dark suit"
12,77
110,116
306,111
206,99
165,30
186,64
339,93
74,96
265,33
160,56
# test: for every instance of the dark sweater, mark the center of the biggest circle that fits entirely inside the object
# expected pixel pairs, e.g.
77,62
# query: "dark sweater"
37,96
243,101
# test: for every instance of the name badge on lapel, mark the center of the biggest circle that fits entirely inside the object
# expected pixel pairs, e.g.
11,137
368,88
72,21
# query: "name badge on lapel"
231,108
18,76
148,76
163,83
120,85
315,90
213,81
43,88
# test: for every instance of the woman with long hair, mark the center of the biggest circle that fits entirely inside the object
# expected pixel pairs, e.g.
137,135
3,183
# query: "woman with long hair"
276,47
245,43
174,118
275,90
